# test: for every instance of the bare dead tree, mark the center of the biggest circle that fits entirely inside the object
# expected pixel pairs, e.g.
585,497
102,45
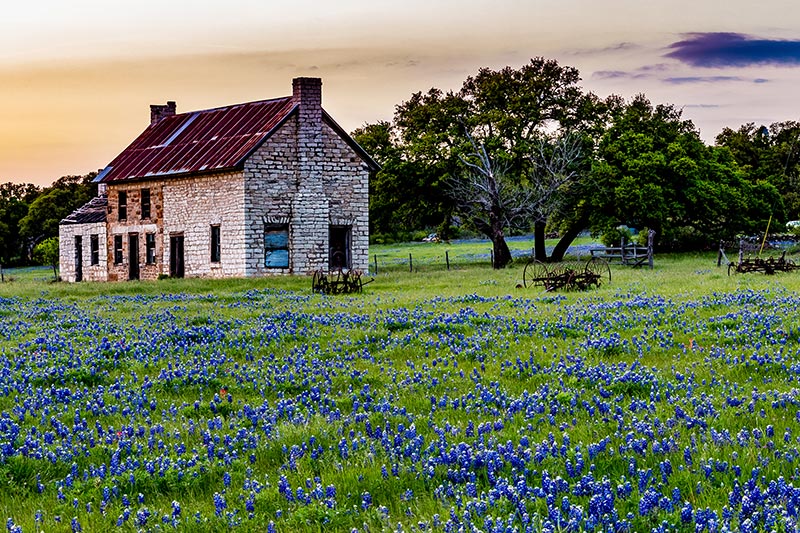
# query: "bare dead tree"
557,173
489,199
493,201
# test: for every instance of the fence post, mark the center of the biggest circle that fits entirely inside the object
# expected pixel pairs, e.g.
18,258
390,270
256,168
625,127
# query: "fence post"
375,260
651,236
719,254
410,263
447,258
2,276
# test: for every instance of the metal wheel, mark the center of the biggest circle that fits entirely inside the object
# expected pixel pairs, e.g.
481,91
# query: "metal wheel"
732,266
318,282
599,267
356,282
535,273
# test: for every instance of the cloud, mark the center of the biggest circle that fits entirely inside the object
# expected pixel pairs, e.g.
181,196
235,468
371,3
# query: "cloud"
703,106
734,50
617,47
618,74
682,80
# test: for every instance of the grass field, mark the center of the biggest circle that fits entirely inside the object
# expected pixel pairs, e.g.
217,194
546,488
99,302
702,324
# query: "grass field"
665,400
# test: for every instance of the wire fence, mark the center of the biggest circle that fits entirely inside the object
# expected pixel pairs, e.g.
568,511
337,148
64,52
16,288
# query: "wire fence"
453,260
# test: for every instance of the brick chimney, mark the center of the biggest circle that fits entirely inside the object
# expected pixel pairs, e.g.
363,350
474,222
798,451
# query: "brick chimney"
158,111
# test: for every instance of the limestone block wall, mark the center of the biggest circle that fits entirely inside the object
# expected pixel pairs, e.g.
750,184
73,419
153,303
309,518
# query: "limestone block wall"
346,186
270,176
135,223
310,193
191,206
66,251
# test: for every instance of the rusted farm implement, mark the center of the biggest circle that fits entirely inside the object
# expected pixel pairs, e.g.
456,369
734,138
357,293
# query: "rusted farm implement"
569,275
768,266
340,281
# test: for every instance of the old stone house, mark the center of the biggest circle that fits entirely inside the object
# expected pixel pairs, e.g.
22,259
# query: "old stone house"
266,187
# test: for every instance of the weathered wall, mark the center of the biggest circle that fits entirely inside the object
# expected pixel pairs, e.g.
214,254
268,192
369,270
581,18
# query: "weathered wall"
66,251
134,223
270,175
192,206
278,191
346,186
182,205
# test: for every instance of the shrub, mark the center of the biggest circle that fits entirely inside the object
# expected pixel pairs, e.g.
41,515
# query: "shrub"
46,253
613,236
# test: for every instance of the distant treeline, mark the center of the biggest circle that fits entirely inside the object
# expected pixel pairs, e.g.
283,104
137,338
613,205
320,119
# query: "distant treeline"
512,133
520,150
30,214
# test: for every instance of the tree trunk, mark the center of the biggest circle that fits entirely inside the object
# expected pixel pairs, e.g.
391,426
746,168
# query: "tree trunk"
539,249
502,255
563,243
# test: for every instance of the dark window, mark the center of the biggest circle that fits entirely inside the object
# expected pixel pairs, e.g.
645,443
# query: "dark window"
276,246
216,251
150,248
339,251
122,205
117,249
94,248
145,203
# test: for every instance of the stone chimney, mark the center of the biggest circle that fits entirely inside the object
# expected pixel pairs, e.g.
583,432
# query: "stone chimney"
308,93
310,208
158,111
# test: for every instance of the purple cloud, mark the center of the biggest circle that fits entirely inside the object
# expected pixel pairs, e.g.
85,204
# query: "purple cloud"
680,80
734,50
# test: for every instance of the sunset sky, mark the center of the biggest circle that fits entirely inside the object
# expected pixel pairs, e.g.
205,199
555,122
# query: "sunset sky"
77,78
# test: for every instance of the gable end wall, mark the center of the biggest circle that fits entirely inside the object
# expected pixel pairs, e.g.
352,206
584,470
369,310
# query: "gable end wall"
334,191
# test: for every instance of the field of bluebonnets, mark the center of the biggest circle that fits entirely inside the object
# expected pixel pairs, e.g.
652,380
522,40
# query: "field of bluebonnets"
667,400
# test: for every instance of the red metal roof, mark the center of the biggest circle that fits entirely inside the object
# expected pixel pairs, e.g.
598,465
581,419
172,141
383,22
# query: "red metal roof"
200,141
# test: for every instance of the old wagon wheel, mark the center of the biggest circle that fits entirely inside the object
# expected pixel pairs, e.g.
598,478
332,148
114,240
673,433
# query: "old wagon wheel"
336,283
598,267
319,282
535,273
734,267
355,284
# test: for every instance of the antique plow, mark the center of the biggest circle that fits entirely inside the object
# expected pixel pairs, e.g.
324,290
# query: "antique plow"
569,275
768,266
341,281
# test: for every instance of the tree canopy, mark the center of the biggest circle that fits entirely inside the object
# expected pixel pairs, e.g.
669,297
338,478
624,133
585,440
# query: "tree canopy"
29,215
639,164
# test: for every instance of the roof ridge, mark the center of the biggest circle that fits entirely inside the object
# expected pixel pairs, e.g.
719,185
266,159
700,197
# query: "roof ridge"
229,106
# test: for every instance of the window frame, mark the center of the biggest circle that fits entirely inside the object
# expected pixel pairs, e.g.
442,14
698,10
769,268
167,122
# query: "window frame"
94,249
271,250
118,250
150,248
216,243
146,205
122,205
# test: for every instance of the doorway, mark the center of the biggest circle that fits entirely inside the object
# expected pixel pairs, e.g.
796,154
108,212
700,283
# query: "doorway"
339,247
78,258
133,256
176,256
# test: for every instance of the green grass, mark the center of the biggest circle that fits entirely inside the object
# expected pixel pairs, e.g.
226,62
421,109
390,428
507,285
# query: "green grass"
442,351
